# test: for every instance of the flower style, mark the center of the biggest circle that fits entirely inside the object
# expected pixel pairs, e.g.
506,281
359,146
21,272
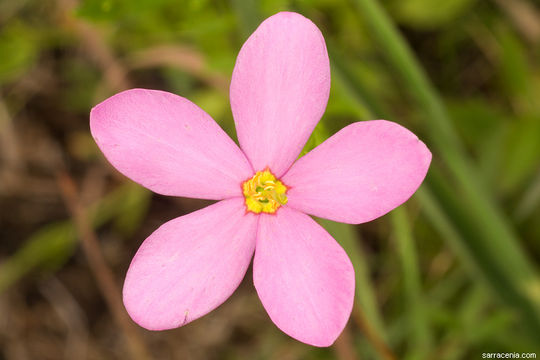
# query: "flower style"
192,264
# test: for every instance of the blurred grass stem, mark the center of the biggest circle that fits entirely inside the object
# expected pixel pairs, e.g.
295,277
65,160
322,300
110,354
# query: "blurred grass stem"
420,336
114,72
525,17
378,344
102,273
343,347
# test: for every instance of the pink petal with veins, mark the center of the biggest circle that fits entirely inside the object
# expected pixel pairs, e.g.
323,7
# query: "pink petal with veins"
362,172
303,277
279,89
190,265
169,145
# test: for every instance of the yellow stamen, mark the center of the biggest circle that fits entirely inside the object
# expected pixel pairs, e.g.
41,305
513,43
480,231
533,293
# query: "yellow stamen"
264,193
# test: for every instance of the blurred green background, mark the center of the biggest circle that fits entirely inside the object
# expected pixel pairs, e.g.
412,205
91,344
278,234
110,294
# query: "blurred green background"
450,275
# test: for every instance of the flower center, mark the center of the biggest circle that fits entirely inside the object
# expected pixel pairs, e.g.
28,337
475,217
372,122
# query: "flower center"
264,193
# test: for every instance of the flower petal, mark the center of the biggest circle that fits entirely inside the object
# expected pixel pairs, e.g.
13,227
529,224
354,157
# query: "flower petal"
362,172
303,277
169,145
279,90
190,265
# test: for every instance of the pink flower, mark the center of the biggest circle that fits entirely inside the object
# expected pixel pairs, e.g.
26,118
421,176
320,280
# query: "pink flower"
192,264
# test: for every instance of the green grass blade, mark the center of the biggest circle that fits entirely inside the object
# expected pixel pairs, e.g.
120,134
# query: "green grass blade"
420,336
49,246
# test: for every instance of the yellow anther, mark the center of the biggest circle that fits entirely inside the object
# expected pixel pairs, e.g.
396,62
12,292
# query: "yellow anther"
264,193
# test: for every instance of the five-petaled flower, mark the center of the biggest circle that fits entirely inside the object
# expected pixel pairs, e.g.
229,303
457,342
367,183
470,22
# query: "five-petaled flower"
192,264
